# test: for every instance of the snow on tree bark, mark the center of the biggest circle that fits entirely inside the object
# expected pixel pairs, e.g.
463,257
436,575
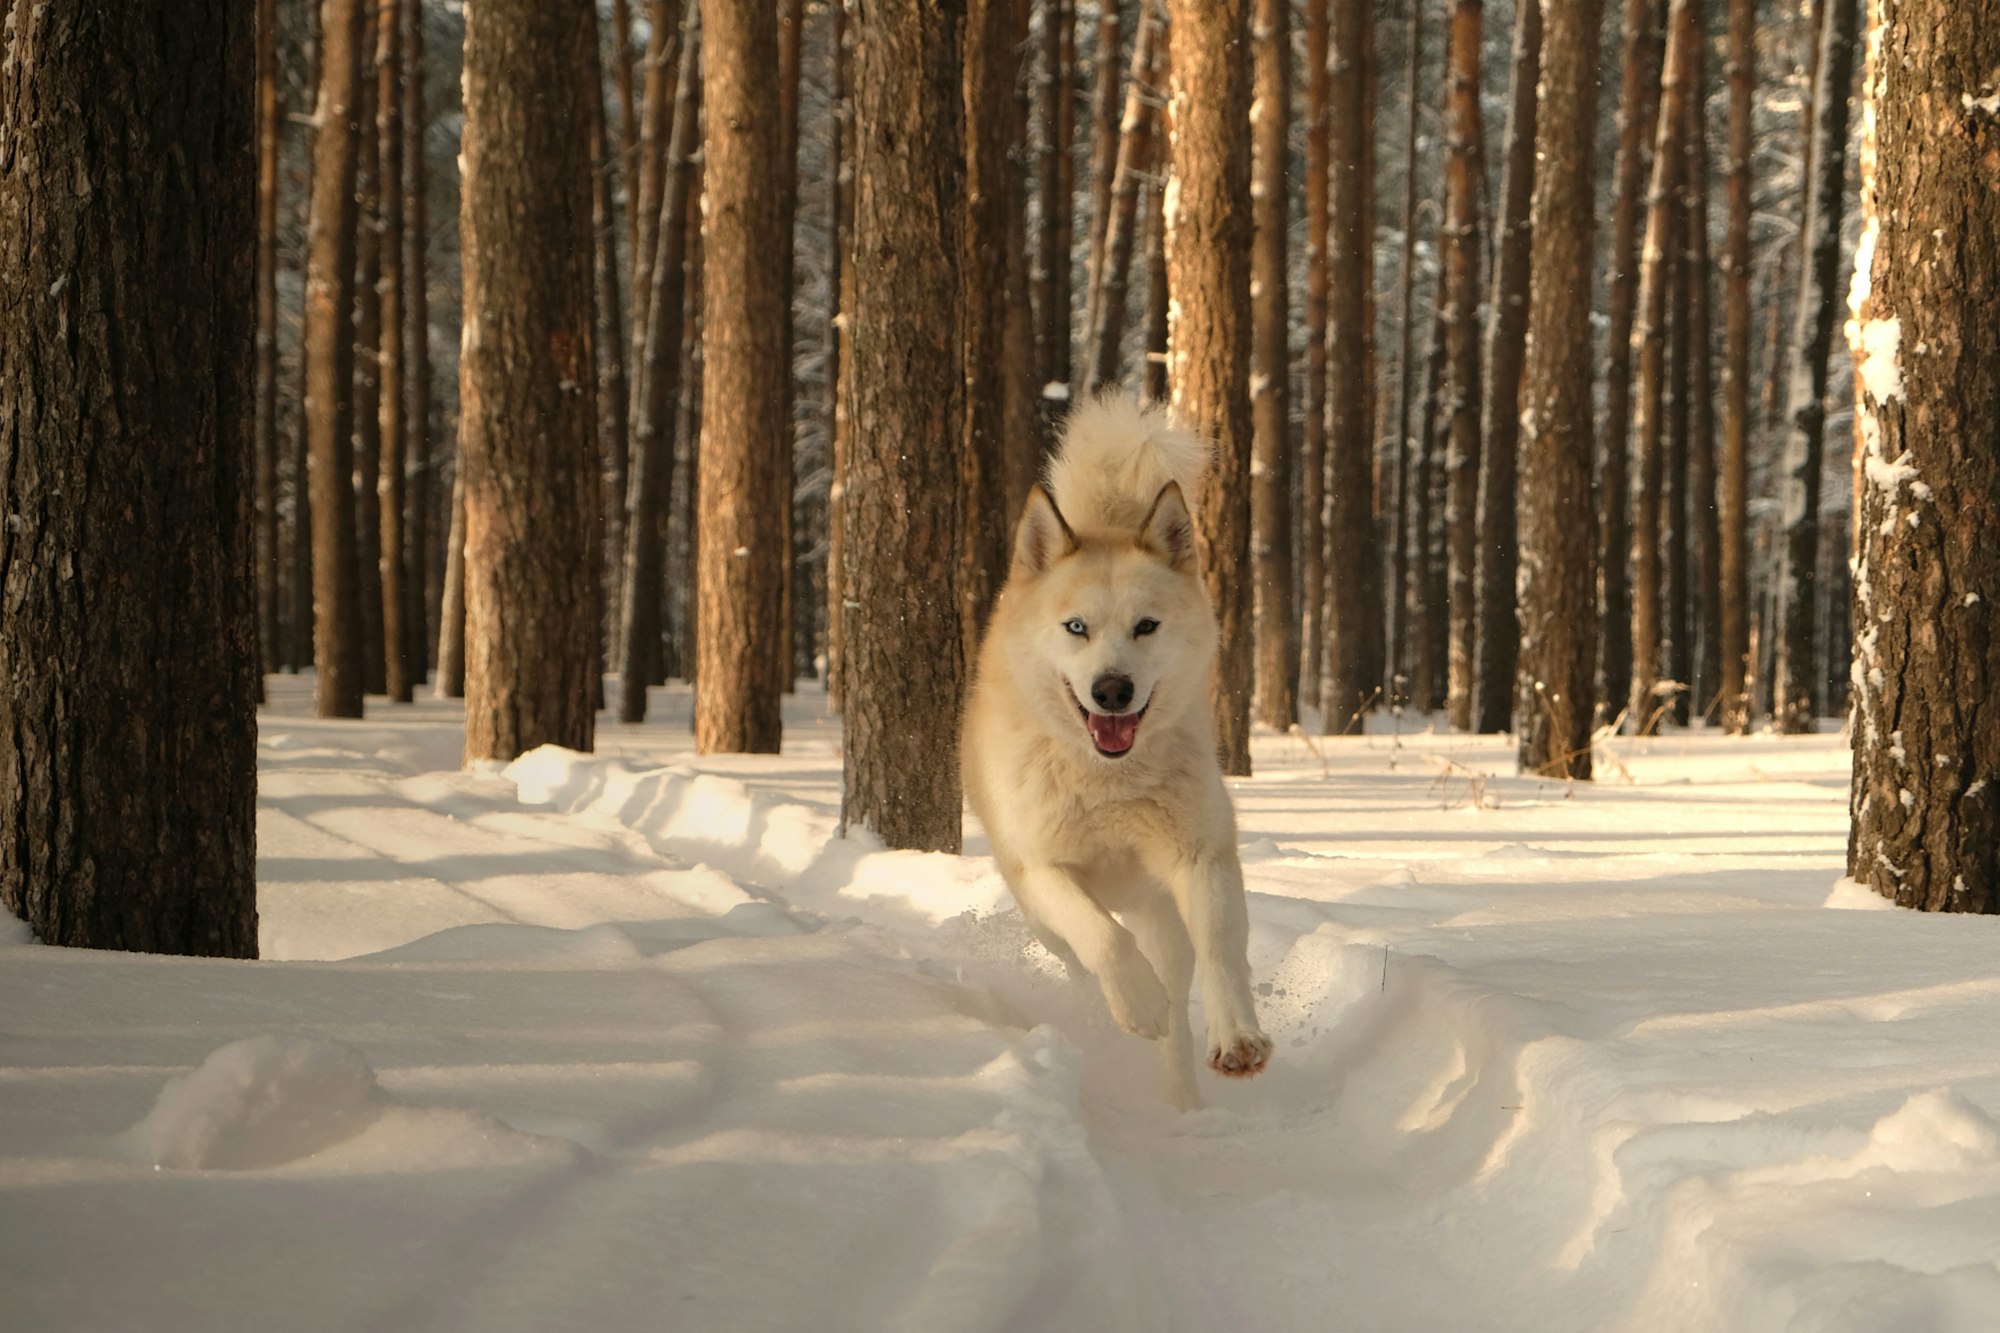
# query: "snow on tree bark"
527,456
1926,335
128,661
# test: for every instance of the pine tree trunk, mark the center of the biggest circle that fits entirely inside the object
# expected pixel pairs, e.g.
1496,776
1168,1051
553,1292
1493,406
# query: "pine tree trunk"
987,20
400,668
1675,594
1350,585
1312,446
128,665
1404,632
991,69
451,595
1554,696
1465,174
781,658
650,490
1427,592
271,649
840,284
419,618
744,368
368,371
614,388
1153,379
1812,340
1135,152
902,668
305,621
1649,350
655,129
1497,632
1103,150
1704,523
1207,236
329,343
1638,120
526,453
1926,736
1734,474
1271,372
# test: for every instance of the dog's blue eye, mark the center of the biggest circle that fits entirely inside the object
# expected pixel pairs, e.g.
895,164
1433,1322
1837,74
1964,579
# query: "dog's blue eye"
1145,627
1076,626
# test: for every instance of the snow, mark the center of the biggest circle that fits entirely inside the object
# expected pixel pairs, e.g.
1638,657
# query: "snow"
1875,358
635,1040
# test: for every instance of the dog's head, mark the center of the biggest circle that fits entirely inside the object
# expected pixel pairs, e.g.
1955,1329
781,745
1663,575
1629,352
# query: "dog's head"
1117,623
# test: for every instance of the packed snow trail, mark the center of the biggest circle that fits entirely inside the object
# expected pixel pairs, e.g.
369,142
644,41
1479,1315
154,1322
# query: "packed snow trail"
635,1039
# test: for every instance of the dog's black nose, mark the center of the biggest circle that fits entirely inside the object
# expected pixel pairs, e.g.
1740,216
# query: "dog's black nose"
1112,693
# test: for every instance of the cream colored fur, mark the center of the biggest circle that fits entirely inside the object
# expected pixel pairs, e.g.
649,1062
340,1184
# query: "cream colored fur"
1124,866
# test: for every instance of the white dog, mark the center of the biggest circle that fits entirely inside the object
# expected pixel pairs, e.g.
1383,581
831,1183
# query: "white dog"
1089,752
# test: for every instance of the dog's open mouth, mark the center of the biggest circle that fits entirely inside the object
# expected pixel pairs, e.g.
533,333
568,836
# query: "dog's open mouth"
1112,733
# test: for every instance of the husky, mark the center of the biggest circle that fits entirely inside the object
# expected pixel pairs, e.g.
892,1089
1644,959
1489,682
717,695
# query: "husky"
1089,751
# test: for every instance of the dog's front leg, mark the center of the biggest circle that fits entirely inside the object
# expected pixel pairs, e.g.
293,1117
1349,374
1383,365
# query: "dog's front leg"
1207,885
1051,895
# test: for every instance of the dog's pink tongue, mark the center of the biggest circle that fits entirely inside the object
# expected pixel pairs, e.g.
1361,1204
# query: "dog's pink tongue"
1114,734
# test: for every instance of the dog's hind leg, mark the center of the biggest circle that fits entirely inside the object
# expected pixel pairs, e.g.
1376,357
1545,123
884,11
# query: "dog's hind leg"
1163,938
1052,897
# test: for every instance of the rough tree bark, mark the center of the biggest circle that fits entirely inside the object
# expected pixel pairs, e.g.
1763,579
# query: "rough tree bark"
1208,233
1812,340
1277,700
1926,827
1732,496
1497,632
1465,175
128,665
744,369
641,586
1649,350
1638,118
1554,697
527,457
902,669
329,351
1350,590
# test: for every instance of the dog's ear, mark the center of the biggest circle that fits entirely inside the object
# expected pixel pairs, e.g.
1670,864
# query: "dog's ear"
1168,531
1043,536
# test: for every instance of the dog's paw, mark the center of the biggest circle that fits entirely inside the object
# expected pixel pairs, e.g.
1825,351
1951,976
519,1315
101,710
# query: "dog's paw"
1239,1054
1137,1000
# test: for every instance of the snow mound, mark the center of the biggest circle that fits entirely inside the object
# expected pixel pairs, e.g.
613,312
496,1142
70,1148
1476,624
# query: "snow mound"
275,1100
256,1103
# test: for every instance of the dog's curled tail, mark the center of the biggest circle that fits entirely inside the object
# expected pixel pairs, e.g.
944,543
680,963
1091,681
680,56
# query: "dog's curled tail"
1117,454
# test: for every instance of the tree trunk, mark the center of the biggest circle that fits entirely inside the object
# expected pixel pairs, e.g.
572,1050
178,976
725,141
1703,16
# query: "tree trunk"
305,622
1554,697
1926,735
791,27
1350,585
419,462
628,118
451,596
1675,531
1497,632
840,285
1271,373
1208,232
400,668
526,453
903,671
1649,349
1410,478
651,483
655,130
1427,593
1465,175
614,417
1734,477
1153,379
1135,152
744,368
265,428
367,370
1704,524
128,666
1103,149
680,648
329,343
1638,119
1311,537
1812,339
991,68
988,19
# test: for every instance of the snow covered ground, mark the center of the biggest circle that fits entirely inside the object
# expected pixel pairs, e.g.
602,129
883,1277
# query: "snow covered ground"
632,1041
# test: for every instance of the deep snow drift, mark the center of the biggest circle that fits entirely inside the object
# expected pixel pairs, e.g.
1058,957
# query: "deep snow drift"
633,1041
